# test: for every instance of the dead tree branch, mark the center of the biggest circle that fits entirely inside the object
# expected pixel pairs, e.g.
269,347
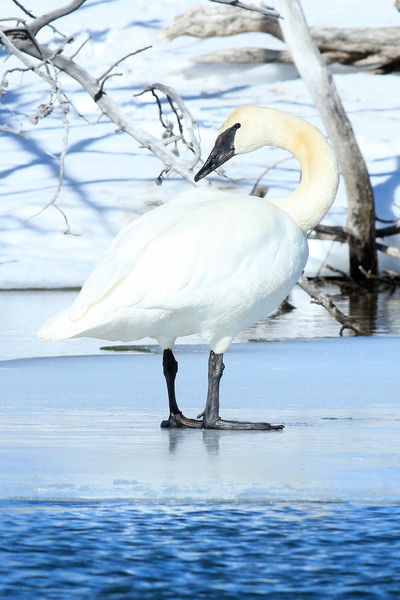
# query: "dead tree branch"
389,250
39,22
119,61
267,11
387,231
261,191
186,125
320,84
21,43
64,107
335,233
8,129
325,301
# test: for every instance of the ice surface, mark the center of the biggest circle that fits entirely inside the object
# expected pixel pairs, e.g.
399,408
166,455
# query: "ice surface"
88,427
109,180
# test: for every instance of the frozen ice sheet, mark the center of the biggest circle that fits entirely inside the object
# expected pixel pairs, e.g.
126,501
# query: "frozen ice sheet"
88,426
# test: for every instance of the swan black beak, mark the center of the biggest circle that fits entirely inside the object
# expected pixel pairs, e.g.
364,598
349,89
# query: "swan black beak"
223,150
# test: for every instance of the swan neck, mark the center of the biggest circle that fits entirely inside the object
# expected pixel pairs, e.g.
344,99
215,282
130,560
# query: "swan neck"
313,197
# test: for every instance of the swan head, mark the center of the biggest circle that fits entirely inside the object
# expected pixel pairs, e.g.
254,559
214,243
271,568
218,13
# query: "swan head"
243,131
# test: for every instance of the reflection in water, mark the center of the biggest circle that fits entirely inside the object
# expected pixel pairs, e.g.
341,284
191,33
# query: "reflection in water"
377,312
210,439
364,307
23,311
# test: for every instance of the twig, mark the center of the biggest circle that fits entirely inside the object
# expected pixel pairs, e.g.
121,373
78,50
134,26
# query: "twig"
101,91
12,48
40,22
335,233
325,301
105,104
26,11
8,129
120,61
339,272
386,231
184,119
267,11
389,250
380,220
4,82
63,103
81,46
391,278
267,170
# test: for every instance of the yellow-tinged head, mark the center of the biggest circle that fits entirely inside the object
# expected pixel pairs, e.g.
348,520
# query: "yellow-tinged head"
246,129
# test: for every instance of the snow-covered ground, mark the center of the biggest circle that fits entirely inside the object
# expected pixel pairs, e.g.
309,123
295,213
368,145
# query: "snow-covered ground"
109,180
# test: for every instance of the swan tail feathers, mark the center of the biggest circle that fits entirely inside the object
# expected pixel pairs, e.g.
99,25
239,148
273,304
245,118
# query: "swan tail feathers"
59,327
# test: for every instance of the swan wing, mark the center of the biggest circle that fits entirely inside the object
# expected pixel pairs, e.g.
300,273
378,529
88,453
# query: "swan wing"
191,253
142,245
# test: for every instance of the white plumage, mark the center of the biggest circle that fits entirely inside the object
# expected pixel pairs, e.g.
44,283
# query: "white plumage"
208,262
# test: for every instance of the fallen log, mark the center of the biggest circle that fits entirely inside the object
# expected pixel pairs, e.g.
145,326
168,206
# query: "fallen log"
375,48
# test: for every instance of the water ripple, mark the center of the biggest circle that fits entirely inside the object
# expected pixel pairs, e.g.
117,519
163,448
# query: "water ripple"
73,550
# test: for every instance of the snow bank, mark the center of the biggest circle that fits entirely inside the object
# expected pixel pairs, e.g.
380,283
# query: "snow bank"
109,180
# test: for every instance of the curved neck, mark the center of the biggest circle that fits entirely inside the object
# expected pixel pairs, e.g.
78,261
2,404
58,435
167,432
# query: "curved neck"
316,191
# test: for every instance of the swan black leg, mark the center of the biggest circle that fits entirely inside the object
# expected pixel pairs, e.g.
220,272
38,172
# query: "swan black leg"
176,418
210,415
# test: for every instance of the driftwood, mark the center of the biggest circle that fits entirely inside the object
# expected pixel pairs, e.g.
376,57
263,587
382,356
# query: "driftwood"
376,48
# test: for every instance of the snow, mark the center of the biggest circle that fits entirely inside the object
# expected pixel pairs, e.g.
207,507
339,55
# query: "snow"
109,180
88,427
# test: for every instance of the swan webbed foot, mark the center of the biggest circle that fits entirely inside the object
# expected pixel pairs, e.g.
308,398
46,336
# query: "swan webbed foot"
178,420
242,425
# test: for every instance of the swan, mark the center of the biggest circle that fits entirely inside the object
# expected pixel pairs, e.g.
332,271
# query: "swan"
208,261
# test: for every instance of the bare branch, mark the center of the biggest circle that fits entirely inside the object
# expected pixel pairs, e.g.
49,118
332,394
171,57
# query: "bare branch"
342,274
86,40
101,91
13,49
386,231
4,82
183,117
389,250
64,106
335,233
8,129
20,47
325,301
267,170
267,11
27,12
120,61
40,22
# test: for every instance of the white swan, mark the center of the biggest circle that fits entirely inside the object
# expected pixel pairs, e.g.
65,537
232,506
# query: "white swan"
208,262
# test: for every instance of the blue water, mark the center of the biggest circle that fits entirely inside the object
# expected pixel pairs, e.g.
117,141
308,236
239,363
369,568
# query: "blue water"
94,550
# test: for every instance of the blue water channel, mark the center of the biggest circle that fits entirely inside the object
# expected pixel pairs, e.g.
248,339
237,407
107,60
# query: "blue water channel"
70,550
